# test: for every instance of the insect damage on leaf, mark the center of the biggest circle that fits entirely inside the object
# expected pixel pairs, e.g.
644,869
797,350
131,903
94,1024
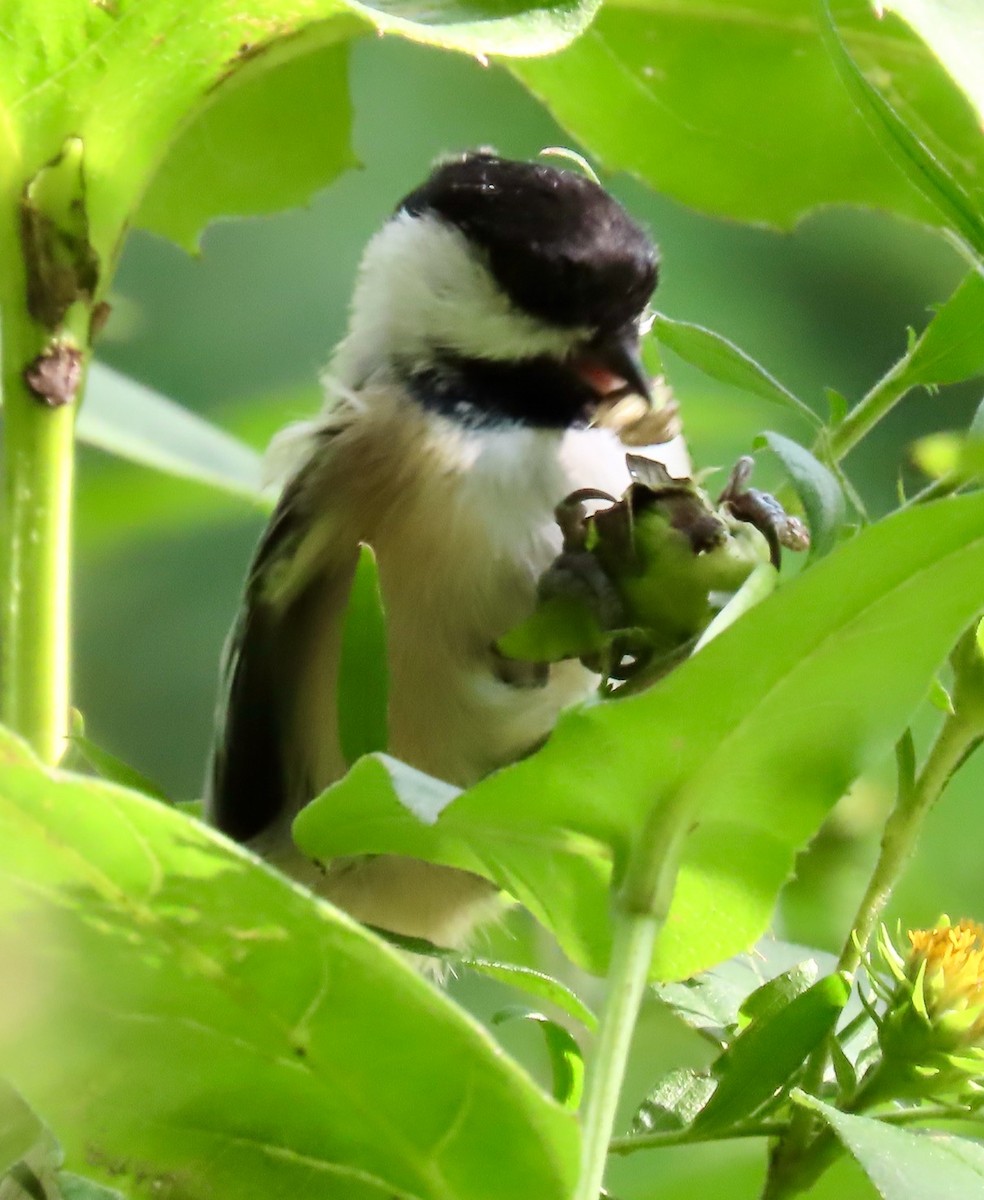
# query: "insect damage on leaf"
62,265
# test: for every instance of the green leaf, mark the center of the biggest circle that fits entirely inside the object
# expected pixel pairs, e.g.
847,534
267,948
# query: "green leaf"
765,1056
940,698
845,1071
951,348
736,110
761,583
712,1001
143,942
523,979
363,673
535,983
109,766
159,505
370,809
13,751
955,33
967,661
724,361
263,146
920,119
115,770
776,993
131,421
420,794
837,406
561,627
566,1060
674,1102
127,78
29,1152
20,1127
729,730
907,1166
818,488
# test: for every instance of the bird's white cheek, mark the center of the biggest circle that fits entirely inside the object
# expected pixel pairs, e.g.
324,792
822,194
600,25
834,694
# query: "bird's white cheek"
593,458
422,284
596,458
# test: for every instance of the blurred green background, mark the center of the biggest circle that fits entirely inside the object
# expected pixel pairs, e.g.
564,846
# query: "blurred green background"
240,333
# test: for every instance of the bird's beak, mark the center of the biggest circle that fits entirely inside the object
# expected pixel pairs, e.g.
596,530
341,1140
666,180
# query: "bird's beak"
612,365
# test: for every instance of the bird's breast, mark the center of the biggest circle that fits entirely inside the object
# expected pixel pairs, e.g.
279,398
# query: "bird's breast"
462,524
458,569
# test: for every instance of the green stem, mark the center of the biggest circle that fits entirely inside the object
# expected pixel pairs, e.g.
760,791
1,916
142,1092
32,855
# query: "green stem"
632,952
38,472
902,831
803,1171
920,1115
642,906
687,1137
882,398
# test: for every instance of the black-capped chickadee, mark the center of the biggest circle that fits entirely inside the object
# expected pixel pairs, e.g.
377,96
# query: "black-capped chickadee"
496,318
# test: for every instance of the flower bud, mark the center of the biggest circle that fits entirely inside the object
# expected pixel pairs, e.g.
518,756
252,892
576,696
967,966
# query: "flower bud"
932,1031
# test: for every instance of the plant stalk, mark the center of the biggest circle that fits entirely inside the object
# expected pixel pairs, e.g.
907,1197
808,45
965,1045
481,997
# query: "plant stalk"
632,951
641,908
38,478
686,1137
866,414
902,831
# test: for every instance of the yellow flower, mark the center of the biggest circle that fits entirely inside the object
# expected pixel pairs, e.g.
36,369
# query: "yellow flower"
946,967
932,1031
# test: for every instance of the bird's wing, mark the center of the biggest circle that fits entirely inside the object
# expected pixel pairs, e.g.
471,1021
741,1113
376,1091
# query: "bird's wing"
296,592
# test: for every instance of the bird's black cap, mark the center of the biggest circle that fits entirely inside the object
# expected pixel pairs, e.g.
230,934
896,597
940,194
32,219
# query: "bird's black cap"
558,245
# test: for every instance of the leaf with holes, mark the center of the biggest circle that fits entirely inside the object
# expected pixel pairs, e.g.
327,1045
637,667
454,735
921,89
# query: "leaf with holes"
250,98
143,942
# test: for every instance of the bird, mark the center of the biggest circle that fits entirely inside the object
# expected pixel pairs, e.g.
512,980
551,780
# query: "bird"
496,318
